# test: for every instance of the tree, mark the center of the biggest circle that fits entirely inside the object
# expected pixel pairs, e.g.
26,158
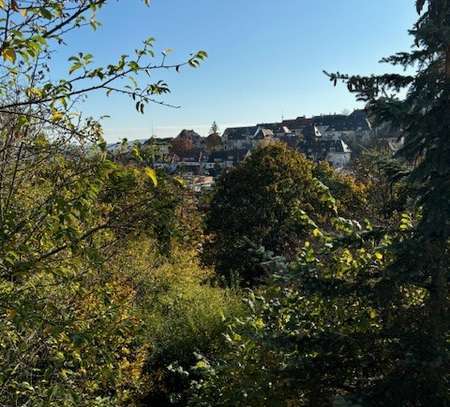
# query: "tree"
313,334
362,318
423,260
214,128
387,192
273,200
39,121
68,331
213,142
33,29
181,146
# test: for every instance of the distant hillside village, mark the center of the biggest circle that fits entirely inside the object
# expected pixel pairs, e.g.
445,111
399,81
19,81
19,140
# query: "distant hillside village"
321,138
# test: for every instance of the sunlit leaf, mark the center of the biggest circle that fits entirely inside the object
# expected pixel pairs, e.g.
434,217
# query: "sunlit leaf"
151,173
9,55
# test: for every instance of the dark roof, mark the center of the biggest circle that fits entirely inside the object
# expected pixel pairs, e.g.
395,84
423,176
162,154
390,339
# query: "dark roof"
238,133
311,132
341,122
339,146
298,123
359,118
319,148
336,121
344,147
158,141
291,141
277,128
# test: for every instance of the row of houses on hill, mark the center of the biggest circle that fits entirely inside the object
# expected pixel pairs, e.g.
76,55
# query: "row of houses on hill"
354,128
324,137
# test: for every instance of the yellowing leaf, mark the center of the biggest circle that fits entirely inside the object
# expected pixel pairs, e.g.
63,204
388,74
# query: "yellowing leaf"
11,314
379,256
56,115
259,323
9,55
180,181
201,364
2,3
151,173
34,92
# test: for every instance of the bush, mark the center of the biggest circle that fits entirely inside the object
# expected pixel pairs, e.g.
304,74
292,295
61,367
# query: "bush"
182,314
74,239
329,329
71,340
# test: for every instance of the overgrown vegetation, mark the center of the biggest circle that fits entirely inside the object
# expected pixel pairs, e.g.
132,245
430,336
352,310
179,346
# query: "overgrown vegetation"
272,200
296,285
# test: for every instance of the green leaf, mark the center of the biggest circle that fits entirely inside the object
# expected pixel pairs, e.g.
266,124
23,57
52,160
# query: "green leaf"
75,67
45,13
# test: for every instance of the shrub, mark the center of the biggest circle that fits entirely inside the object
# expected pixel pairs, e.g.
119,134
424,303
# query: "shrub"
182,315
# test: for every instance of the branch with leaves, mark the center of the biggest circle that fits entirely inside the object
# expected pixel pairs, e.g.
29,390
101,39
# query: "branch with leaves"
32,29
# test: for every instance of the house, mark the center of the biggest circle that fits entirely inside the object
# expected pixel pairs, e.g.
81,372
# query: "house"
262,136
189,161
237,138
324,137
159,148
292,141
201,183
354,127
297,125
278,129
227,158
339,154
313,138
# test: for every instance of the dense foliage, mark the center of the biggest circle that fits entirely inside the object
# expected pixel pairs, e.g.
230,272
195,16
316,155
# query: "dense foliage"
113,294
318,332
273,200
72,327
424,116
360,317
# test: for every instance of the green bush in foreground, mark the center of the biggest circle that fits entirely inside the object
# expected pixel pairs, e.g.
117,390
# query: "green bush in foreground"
182,316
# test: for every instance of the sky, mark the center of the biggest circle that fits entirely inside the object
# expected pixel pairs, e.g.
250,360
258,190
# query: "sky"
265,62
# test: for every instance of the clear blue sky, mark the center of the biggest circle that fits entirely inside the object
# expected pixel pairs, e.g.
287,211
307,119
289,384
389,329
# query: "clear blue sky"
265,57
